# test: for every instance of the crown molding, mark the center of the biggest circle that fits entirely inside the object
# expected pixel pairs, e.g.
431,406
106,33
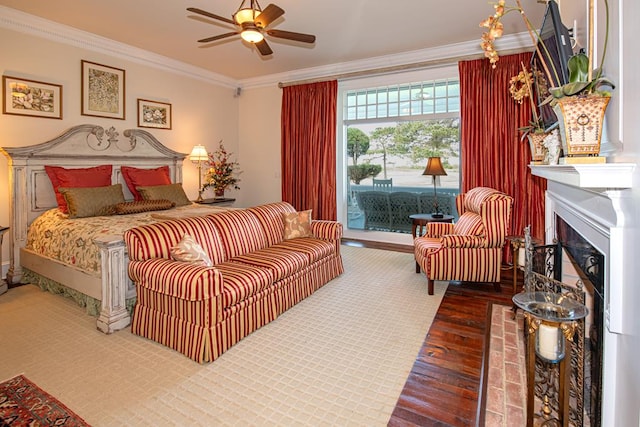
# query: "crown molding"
16,20
421,58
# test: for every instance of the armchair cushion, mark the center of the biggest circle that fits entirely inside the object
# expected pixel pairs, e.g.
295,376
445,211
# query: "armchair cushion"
463,241
470,224
437,229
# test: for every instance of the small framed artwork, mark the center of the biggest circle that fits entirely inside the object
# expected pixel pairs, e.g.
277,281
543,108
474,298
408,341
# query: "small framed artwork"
103,91
154,114
31,98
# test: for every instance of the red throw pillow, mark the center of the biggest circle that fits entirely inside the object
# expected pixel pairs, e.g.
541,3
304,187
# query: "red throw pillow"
98,176
136,177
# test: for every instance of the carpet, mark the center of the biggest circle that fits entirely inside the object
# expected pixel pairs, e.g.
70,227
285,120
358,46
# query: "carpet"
22,403
504,392
340,357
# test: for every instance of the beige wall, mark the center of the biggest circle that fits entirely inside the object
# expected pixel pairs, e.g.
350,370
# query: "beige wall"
259,137
203,113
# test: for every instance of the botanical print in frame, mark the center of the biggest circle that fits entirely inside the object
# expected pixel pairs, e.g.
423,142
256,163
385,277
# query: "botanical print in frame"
103,91
154,114
31,98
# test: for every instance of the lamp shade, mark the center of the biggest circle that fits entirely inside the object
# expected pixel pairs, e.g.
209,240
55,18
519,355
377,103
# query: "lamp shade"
434,167
252,35
199,154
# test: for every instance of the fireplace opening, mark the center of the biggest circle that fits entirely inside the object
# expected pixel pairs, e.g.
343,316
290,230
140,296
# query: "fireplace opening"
581,260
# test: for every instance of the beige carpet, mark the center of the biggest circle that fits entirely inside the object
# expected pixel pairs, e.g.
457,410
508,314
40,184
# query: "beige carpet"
340,357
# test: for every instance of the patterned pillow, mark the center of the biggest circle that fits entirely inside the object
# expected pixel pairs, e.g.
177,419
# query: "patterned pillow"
188,250
297,224
84,202
139,206
172,192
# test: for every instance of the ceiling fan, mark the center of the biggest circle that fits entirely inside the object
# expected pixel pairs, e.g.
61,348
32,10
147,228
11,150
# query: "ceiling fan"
252,22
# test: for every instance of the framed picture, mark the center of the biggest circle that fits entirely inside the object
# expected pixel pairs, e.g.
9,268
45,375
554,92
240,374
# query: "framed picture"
103,91
31,98
154,114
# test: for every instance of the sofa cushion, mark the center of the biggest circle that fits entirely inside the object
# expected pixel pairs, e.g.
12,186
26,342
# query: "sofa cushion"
241,281
297,224
281,261
155,240
270,217
315,249
240,231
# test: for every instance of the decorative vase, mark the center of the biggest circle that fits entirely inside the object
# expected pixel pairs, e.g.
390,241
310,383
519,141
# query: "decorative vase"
580,119
219,193
536,144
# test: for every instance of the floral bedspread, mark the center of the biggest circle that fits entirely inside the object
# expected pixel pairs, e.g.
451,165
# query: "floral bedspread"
54,235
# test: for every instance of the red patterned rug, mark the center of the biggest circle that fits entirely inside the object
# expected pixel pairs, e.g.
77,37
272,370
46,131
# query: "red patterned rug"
22,403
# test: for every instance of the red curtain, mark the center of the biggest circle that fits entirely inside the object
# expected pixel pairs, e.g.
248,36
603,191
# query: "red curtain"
493,154
309,148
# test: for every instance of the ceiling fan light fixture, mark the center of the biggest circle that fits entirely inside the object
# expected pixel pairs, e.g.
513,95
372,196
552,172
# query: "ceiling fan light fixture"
252,35
245,15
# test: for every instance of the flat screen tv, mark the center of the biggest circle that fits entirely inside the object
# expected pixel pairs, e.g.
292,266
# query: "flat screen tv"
554,43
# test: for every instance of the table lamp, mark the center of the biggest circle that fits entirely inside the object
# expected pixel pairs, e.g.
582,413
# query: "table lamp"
435,169
198,155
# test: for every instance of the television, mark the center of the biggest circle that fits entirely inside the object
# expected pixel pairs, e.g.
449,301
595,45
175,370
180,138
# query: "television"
554,43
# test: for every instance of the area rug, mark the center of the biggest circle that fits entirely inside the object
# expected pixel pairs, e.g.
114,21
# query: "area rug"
22,403
340,357
504,384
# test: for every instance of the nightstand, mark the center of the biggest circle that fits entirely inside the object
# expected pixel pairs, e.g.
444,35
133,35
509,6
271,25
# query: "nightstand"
219,201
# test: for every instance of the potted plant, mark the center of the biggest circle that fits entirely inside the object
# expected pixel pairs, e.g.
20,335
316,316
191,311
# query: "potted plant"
221,173
581,103
520,87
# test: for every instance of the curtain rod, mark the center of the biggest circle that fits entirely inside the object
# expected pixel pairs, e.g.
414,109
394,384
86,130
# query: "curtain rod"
392,69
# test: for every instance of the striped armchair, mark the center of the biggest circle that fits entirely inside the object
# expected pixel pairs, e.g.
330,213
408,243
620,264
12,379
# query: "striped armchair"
471,249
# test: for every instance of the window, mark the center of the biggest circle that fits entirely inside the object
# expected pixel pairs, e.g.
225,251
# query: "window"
388,130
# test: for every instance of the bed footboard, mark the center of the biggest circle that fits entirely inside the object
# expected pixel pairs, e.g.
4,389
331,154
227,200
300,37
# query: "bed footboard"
113,315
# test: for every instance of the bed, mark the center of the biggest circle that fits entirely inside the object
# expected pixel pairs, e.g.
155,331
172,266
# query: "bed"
100,277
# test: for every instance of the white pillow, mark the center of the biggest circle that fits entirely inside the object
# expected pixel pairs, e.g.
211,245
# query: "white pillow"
188,250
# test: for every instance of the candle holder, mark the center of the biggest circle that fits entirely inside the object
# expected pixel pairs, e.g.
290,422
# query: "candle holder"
551,319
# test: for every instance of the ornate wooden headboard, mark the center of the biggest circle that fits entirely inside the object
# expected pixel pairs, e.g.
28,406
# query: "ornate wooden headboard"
80,146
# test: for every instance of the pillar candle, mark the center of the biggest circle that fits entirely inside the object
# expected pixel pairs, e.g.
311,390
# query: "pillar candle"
548,338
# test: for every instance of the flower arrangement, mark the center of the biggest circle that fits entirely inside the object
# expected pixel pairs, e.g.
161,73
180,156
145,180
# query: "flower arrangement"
521,87
222,171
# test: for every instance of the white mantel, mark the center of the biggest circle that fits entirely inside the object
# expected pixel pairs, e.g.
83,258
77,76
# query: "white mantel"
596,176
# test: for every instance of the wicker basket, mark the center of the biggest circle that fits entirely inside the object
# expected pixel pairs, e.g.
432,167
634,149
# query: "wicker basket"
581,119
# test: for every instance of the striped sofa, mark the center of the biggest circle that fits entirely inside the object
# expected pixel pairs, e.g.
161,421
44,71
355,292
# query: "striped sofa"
470,249
257,275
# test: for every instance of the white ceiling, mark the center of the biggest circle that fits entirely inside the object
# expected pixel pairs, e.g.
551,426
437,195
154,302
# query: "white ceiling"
345,30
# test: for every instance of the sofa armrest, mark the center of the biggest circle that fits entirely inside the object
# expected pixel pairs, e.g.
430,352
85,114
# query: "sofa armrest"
326,230
182,280
438,229
463,241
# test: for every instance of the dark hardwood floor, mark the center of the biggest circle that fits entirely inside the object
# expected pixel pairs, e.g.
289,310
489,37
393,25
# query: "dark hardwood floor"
445,385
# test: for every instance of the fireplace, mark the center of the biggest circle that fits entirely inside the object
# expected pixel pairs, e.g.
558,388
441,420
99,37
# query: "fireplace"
591,208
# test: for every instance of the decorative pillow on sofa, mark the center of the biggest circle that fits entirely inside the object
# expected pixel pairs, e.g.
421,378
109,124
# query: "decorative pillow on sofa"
98,176
188,250
172,192
136,177
297,224
83,202
138,206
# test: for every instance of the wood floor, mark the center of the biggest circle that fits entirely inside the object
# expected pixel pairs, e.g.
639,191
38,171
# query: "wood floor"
444,387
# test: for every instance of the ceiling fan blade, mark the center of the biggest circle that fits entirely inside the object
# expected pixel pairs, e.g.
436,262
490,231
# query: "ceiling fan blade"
268,15
264,48
218,37
210,15
289,35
